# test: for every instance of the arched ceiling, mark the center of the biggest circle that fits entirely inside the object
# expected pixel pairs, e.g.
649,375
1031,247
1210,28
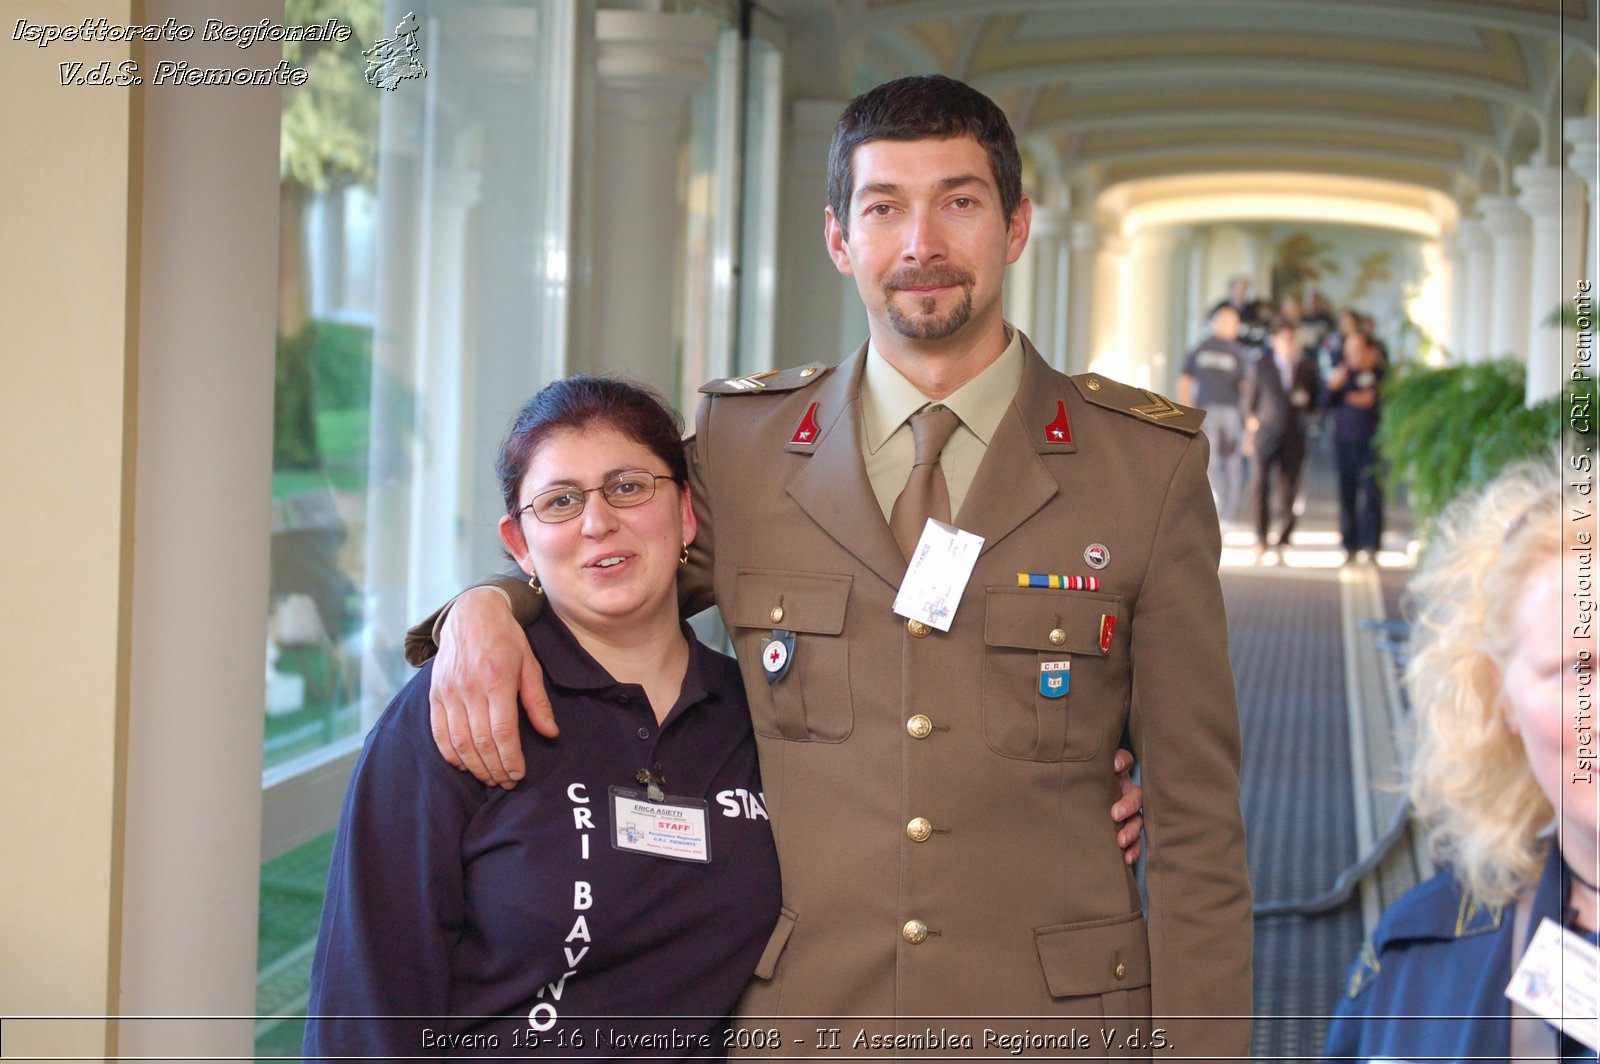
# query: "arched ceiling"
1440,95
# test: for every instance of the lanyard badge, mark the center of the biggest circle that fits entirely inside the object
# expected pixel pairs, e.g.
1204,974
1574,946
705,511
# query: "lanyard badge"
656,824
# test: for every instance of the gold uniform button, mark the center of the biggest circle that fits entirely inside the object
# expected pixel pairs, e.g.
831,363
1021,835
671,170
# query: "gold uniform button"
920,726
776,614
1092,384
919,830
919,630
1057,637
1120,971
915,932
808,371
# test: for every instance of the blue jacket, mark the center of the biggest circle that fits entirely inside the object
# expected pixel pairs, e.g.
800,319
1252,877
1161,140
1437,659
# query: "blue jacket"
1431,983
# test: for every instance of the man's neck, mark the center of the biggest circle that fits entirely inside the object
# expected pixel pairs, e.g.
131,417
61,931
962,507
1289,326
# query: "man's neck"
938,368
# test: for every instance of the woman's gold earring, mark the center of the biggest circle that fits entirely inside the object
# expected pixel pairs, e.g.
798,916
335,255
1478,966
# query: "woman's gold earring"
533,582
683,559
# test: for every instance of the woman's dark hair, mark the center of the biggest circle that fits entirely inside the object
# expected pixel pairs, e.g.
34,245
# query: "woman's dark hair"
924,107
584,402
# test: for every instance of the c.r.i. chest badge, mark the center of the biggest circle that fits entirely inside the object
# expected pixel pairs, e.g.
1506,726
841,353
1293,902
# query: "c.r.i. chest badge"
1055,678
777,652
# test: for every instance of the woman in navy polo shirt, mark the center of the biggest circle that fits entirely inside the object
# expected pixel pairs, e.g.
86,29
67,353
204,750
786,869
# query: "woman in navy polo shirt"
1502,681
617,900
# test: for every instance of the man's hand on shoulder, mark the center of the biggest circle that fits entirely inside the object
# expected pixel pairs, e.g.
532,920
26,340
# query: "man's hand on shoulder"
484,666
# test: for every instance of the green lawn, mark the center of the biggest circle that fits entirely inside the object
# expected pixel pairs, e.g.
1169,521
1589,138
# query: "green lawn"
291,905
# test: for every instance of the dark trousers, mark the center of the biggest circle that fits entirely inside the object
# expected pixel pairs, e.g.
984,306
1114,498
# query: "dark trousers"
1360,496
1279,469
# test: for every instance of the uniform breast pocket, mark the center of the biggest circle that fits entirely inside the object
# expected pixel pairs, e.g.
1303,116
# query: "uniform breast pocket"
1051,685
811,699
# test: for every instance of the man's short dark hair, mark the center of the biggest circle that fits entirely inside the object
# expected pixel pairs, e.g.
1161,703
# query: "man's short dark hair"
924,107
1280,323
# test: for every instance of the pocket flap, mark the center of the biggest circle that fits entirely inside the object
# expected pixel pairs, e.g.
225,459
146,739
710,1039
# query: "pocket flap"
811,602
1094,956
1025,617
780,938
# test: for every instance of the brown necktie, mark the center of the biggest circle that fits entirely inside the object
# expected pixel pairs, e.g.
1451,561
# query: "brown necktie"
926,494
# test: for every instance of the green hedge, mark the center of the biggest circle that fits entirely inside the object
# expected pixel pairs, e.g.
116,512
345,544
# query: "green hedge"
327,368
1448,430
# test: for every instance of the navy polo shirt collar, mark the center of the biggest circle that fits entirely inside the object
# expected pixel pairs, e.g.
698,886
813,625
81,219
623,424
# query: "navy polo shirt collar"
1456,914
567,665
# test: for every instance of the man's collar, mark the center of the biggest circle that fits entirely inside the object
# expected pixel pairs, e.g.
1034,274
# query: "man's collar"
887,398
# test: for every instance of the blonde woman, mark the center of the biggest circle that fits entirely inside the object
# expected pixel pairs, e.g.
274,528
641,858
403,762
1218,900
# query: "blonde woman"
1502,778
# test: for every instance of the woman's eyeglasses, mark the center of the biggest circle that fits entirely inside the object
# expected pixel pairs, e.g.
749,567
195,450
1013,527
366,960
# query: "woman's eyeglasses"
631,487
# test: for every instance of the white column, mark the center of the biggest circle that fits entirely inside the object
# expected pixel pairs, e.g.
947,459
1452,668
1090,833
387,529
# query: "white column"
1179,260
1049,285
1084,242
1455,329
442,545
1508,313
1114,308
1196,297
1584,160
1473,237
1147,300
1259,258
648,67
813,299
1553,200
197,537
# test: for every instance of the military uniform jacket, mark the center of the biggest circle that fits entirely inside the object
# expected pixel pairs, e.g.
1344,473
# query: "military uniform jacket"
942,827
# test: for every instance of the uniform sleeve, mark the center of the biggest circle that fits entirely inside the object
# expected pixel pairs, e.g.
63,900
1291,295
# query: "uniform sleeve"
1184,721
395,904
422,639
695,578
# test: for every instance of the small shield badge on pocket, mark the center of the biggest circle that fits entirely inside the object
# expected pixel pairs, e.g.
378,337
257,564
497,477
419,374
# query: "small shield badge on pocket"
1055,678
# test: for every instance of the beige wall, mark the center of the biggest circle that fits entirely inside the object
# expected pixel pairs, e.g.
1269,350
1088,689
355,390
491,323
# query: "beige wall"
66,317
137,297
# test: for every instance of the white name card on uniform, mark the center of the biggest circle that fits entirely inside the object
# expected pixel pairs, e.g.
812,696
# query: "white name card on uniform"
671,827
1559,979
938,574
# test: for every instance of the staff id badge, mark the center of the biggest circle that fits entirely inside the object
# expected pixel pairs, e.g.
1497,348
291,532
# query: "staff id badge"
674,828
1559,979
937,575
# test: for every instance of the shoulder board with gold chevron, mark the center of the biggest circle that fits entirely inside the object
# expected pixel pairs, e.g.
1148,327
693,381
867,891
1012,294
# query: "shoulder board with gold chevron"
774,380
1139,403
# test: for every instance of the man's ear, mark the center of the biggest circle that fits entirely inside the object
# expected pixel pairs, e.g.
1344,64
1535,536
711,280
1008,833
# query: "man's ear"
838,244
1017,235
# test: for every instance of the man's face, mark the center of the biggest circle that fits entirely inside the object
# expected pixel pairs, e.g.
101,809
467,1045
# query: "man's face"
1358,353
1225,324
928,241
1286,344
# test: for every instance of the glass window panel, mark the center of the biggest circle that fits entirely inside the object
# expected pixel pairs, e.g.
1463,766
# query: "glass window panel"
758,230
423,296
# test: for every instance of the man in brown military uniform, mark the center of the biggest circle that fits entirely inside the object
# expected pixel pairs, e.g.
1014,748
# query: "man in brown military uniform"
937,795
